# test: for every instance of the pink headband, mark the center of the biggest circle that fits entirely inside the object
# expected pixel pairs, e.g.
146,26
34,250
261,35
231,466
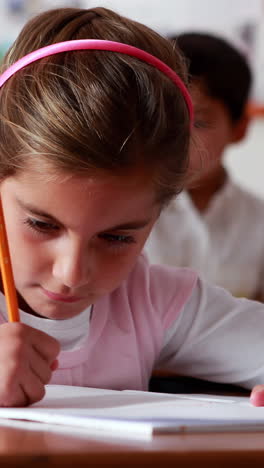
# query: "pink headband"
94,44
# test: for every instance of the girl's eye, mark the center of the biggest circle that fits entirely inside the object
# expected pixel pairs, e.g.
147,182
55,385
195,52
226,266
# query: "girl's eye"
41,226
200,124
116,239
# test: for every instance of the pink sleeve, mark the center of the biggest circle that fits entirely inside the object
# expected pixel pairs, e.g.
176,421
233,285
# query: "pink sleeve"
170,288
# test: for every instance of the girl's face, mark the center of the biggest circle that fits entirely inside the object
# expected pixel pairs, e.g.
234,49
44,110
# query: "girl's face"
73,240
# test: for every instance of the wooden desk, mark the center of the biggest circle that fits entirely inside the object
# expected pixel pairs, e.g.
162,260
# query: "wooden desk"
24,448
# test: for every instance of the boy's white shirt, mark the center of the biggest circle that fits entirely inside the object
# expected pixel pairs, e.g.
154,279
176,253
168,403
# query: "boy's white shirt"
219,338
225,244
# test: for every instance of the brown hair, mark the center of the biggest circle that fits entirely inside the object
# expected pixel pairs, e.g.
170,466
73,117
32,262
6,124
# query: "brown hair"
91,109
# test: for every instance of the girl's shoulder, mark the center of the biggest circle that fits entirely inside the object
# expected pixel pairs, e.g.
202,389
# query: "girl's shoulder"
162,275
161,289
146,303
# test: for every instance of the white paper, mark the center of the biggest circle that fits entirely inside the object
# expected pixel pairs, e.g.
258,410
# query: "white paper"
139,414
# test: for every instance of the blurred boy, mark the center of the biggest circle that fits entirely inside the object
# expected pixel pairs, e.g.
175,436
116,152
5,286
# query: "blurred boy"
226,241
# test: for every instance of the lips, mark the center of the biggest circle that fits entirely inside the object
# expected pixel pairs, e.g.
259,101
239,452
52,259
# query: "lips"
60,297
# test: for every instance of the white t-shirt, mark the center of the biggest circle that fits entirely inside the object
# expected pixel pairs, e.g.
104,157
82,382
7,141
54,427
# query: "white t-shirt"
225,244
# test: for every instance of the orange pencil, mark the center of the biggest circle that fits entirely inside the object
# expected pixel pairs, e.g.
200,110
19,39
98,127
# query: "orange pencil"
7,273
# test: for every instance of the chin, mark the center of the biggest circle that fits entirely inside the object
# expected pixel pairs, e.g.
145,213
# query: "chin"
52,311
56,315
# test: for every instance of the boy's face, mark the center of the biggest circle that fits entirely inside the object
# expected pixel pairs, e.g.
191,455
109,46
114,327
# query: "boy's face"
213,131
74,240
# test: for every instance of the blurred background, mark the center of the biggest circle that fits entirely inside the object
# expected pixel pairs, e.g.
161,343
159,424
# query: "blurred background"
240,21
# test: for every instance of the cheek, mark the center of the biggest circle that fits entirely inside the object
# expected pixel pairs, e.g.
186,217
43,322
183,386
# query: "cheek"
26,255
26,262
213,144
112,269
210,142
221,136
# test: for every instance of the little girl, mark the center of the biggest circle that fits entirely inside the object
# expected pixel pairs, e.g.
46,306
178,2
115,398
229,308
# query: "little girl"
93,143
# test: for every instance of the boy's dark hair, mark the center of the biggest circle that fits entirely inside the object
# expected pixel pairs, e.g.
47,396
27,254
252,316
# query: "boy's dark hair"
220,67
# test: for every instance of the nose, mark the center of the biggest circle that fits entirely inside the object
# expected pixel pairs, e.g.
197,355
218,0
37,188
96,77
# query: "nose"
72,265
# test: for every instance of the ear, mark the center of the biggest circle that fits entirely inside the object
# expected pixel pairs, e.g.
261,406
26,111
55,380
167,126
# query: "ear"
240,128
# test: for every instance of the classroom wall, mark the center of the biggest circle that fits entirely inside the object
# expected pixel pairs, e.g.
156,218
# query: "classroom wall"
170,15
246,160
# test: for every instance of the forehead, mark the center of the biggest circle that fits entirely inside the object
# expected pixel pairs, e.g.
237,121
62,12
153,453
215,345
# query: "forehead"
60,190
204,104
44,171
200,95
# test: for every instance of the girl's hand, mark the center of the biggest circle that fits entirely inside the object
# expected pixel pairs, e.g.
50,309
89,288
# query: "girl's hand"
257,395
27,359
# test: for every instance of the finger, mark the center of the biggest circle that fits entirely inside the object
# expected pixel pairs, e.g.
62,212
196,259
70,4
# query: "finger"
33,388
257,396
45,345
54,365
40,367
14,397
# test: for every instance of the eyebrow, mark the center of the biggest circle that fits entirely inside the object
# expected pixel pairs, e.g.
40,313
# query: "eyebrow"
133,225
34,210
201,110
